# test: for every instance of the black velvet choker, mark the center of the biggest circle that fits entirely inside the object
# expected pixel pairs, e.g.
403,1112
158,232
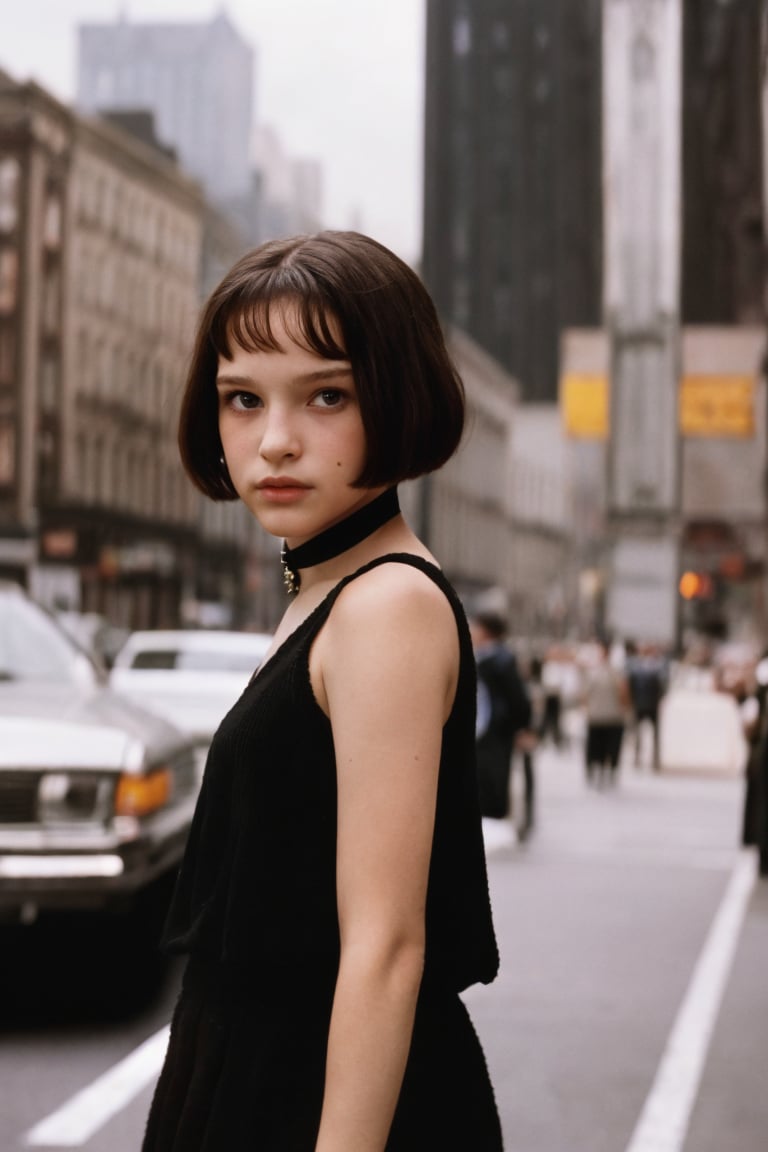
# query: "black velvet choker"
338,538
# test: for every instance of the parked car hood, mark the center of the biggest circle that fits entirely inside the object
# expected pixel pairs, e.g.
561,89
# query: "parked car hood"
42,724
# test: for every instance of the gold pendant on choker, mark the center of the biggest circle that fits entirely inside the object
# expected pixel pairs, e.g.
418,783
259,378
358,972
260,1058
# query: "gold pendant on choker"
291,579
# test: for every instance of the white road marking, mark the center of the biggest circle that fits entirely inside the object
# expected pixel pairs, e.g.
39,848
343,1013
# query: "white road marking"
664,1121
76,1121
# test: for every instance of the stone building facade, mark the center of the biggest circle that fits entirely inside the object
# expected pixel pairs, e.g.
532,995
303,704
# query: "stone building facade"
495,516
100,241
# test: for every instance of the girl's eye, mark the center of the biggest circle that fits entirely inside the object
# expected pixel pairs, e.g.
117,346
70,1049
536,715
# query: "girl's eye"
242,401
328,398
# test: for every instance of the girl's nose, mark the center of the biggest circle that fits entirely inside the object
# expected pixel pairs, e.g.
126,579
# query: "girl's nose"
278,439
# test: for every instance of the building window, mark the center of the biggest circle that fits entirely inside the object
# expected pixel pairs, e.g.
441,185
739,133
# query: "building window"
97,478
130,480
503,80
46,460
117,210
9,194
113,374
109,204
51,302
49,384
142,387
150,484
9,267
460,239
52,223
105,87
84,370
7,451
461,298
157,392
500,35
7,357
502,308
462,35
81,467
107,300
541,89
543,37
118,477
129,389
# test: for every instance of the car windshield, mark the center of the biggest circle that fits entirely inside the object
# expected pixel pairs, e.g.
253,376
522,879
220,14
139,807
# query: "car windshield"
157,659
32,648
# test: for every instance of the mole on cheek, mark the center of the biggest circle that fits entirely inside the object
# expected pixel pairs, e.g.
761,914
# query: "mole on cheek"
338,463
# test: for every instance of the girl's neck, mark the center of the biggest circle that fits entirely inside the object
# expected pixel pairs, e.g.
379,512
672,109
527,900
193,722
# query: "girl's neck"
340,542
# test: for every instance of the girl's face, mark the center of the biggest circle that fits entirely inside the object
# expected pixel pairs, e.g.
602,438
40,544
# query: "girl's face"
292,435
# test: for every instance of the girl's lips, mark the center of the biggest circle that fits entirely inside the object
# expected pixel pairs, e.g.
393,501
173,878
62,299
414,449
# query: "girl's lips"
283,493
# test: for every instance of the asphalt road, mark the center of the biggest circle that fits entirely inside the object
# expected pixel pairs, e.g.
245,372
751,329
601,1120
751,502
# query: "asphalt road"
608,1029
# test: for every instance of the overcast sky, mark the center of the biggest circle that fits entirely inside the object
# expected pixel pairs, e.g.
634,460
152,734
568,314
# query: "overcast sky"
340,80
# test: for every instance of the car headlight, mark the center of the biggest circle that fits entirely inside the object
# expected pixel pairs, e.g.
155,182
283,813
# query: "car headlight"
74,797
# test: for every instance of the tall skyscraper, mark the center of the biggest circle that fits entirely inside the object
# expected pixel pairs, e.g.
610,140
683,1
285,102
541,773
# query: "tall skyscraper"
723,268
197,79
512,198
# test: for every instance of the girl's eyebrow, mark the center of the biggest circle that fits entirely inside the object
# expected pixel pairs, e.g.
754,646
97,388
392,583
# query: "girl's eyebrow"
227,379
325,374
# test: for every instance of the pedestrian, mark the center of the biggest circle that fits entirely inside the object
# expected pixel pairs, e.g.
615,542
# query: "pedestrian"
754,714
606,700
333,898
552,681
503,713
647,675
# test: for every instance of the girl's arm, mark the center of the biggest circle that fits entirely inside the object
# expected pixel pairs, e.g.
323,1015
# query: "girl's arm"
385,669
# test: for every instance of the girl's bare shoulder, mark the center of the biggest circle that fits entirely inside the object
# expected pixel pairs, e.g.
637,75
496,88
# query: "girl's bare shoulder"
393,592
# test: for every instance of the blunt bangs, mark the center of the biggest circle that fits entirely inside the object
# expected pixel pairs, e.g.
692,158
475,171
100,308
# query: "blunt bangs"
246,321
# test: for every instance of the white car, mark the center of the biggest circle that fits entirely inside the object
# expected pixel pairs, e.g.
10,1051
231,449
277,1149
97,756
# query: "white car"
96,797
191,678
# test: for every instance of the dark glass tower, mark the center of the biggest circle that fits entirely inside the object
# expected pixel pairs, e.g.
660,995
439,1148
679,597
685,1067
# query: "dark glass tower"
723,269
513,172
512,198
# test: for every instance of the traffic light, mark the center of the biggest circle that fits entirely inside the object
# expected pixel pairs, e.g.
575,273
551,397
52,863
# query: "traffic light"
696,586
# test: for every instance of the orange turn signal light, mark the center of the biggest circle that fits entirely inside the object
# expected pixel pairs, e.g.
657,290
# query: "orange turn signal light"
139,795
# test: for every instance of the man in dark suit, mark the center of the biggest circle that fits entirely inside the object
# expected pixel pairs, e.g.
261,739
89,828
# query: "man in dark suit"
503,712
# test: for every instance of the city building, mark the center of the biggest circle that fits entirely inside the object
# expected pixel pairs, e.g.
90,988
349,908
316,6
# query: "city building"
721,421
196,77
512,192
289,196
496,515
684,285
513,172
100,263
723,253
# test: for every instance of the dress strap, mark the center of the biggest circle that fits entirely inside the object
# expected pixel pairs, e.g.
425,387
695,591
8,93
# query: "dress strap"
426,566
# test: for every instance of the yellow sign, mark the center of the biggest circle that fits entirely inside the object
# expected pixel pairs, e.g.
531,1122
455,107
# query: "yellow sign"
584,406
717,406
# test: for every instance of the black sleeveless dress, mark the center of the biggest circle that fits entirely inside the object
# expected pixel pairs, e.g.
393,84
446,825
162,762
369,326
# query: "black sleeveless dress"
255,910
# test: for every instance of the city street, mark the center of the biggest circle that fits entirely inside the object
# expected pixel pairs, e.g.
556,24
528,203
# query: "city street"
615,991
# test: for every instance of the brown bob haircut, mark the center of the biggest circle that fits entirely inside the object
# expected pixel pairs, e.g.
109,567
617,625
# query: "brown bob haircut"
329,285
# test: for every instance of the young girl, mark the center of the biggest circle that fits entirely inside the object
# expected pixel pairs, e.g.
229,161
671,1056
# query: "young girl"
333,899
